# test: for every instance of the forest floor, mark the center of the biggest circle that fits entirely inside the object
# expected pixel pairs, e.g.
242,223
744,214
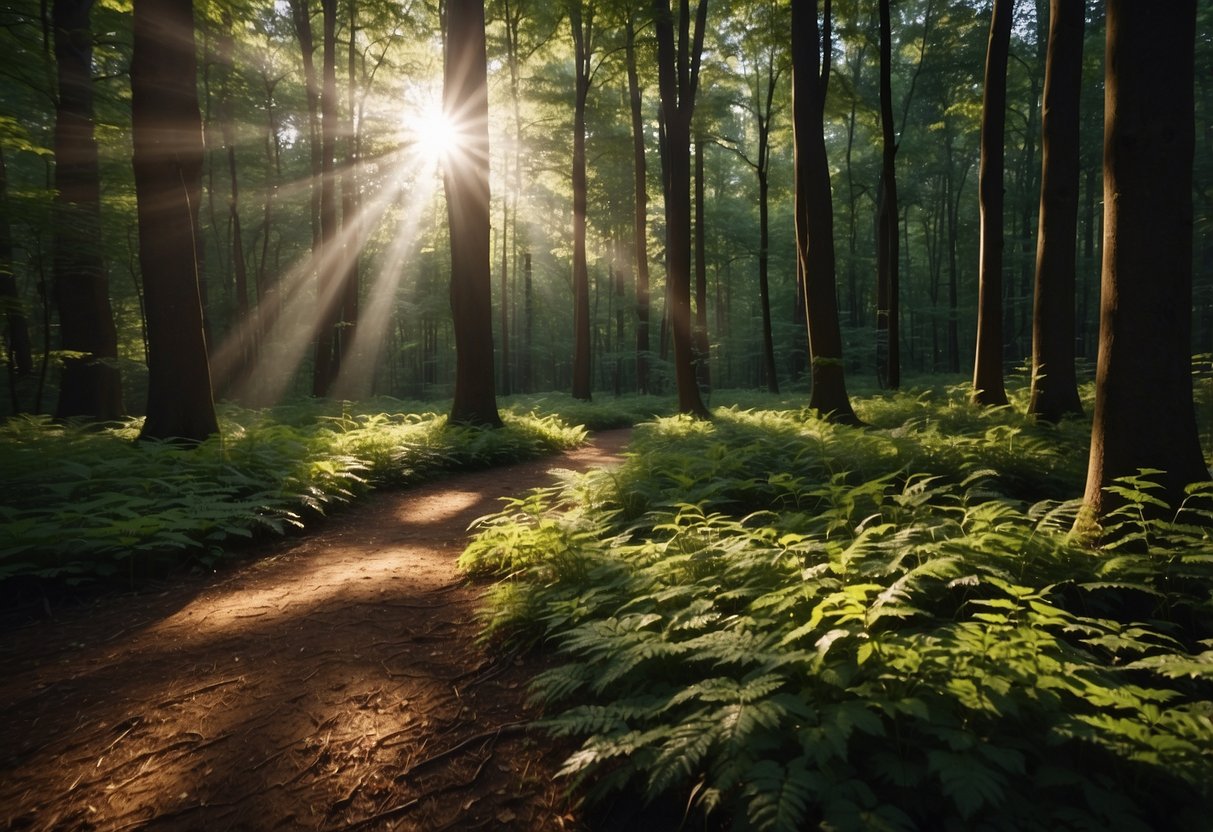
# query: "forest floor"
333,682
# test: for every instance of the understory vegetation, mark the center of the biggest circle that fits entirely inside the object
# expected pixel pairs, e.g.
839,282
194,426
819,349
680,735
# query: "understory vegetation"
78,502
787,624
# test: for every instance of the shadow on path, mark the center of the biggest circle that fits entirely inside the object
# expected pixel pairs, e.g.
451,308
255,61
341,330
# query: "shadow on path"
335,684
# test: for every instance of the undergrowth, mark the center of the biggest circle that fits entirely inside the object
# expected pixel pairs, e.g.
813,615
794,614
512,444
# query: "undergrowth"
78,503
794,625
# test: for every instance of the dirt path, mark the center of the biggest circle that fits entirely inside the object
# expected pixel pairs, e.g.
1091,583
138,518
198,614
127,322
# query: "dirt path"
333,685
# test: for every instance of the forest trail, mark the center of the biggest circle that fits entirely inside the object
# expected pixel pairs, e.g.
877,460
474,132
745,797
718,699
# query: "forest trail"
335,683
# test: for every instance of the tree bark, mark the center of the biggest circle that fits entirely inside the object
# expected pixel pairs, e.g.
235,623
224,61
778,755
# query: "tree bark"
583,32
888,283
90,385
703,375
640,217
815,215
167,160
465,100
1144,416
330,262
987,366
18,347
678,79
1054,385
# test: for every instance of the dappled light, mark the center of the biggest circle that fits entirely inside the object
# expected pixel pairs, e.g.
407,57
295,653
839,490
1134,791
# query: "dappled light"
594,416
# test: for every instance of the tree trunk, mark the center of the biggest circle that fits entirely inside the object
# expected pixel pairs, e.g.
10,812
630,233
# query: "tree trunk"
19,348
350,220
1054,386
167,136
465,100
702,349
330,261
987,366
888,284
1144,416
90,385
765,113
640,217
815,214
678,79
582,50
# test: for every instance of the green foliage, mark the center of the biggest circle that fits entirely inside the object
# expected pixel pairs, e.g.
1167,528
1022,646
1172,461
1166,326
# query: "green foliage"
801,625
79,503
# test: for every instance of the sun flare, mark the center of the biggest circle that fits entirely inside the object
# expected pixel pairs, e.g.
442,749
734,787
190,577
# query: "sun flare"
434,136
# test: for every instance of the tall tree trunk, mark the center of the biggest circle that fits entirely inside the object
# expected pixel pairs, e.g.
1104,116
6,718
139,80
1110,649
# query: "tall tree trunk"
1144,416
583,31
330,261
350,218
90,385
167,135
18,347
232,371
302,19
815,212
1054,386
987,366
640,217
765,112
465,100
678,79
888,283
703,373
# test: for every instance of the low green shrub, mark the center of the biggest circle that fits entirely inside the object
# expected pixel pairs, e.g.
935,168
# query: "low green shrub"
796,625
79,503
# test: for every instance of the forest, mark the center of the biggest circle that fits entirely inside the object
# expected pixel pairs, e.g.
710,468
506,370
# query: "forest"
607,414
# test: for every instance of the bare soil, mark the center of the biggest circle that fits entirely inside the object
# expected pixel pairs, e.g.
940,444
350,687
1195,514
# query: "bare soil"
333,683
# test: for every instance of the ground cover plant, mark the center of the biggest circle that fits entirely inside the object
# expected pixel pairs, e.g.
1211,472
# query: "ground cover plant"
79,502
788,624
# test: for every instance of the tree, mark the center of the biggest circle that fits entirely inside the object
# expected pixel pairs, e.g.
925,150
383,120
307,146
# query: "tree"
167,136
888,287
640,216
18,349
331,264
987,365
1144,417
763,28
678,80
90,385
465,176
581,21
815,210
1054,386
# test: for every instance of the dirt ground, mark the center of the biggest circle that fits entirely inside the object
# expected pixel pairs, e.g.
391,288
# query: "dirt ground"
334,683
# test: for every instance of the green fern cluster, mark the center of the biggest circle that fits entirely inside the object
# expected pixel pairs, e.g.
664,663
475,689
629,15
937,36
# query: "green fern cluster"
773,616
78,503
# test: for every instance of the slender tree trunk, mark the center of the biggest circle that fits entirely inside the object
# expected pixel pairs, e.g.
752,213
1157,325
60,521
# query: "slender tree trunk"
640,217
167,136
702,368
330,262
465,100
888,283
90,385
18,347
987,366
582,26
764,114
678,79
1054,386
1144,416
350,217
815,214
